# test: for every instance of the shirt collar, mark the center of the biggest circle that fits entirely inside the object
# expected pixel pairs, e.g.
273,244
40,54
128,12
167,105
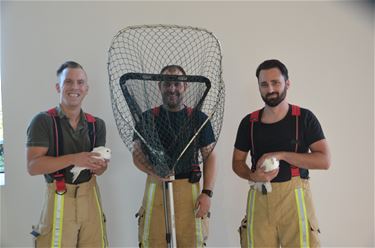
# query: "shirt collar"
62,115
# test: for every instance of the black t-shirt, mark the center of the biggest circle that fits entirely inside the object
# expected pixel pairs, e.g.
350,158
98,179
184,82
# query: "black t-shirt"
279,136
171,132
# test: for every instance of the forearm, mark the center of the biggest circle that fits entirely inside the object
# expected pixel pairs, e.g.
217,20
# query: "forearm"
141,163
48,164
241,169
139,158
209,172
315,160
318,158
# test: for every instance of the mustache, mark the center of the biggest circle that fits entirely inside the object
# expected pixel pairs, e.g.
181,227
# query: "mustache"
172,94
272,93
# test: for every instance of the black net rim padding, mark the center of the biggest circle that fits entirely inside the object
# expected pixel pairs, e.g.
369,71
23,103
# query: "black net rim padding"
135,110
133,106
165,77
158,78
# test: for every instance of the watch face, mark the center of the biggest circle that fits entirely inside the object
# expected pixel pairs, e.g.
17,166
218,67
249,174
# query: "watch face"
207,192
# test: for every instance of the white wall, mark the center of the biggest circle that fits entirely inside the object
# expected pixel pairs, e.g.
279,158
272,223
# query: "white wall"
327,46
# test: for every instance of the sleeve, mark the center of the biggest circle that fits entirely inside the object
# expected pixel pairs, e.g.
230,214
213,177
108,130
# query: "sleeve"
100,132
242,142
207,135
313,131
39,131
143,123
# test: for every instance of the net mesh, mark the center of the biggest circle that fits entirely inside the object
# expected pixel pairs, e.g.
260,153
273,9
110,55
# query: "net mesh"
170,142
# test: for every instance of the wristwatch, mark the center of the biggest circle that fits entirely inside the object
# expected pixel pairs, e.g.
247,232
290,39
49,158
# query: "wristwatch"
208,192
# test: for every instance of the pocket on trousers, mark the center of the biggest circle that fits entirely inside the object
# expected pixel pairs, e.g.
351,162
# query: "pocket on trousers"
313,221
140,215
40,231
104,218
314,232
243,232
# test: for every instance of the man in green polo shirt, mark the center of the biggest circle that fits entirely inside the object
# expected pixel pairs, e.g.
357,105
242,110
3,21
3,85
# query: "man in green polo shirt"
57,140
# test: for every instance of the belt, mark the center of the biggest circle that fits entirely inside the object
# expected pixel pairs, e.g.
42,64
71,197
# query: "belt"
76,190
49,179
182,176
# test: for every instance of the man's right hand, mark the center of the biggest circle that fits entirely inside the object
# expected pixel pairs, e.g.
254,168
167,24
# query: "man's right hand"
259,175
39,163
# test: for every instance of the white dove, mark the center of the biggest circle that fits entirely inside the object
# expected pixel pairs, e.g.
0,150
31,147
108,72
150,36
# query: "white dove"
268,164
105,153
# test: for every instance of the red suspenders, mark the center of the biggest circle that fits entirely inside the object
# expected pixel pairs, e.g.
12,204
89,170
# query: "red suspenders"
296,111
59,144
254,117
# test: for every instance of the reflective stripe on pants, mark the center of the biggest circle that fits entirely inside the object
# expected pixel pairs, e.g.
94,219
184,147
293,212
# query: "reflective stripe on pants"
189,230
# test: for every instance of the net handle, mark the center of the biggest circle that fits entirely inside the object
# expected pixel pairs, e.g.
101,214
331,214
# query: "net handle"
134,107
163,77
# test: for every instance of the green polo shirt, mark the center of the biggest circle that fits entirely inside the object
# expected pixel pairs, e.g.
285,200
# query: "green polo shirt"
40,134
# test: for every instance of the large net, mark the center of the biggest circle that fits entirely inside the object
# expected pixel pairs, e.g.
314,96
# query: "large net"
171,142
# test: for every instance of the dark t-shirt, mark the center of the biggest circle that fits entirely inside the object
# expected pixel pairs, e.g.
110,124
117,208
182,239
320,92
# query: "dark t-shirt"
171,132
279,136
40,134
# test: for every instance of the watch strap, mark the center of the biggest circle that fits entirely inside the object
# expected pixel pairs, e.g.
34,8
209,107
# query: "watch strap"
208,192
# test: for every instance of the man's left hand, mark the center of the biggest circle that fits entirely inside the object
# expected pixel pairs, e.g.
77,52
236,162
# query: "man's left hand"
202,206
103,167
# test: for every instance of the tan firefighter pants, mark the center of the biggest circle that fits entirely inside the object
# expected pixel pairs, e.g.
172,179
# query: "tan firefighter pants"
190,231
74,219
284,217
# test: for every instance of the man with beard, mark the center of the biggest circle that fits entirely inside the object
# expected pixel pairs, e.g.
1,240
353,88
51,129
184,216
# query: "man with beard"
190,204
293,136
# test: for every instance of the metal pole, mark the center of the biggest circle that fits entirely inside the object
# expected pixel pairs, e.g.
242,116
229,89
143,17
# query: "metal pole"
171,212
166,215
170,224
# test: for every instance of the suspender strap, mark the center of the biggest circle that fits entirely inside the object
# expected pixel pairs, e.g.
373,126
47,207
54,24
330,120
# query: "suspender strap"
189,111
92,129
155,111
59,150
254,117
57,132
296,112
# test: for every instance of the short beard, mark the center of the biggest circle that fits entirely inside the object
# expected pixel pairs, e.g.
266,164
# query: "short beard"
273,102
173,105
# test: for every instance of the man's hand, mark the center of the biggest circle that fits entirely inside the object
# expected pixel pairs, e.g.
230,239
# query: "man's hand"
259,175
202,205
102,169
277,155
88,160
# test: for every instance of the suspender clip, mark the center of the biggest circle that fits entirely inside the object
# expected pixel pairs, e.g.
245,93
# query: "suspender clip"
60,183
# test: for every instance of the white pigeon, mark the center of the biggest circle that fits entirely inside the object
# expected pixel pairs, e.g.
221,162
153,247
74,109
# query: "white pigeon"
105,153
268,164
